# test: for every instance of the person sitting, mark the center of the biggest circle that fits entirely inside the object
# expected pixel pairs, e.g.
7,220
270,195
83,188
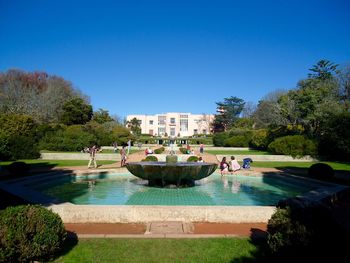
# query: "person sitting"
234,165
246,163
200,159
148,151
223,166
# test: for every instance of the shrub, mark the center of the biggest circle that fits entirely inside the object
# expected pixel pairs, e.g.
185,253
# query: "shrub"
237,141
294,145
259,140
150,158
18,168
321,170
29,233
171,159
183,150
192,159
219,138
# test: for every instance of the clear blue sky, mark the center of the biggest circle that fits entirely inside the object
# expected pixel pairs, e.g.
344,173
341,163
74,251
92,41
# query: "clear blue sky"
134,57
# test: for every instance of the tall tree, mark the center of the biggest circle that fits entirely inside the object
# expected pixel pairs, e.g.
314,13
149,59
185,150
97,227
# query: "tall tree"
76,111
324,70
228,112
102,116
134,126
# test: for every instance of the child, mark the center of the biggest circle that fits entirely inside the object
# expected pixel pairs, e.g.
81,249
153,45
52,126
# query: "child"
234,165
223,166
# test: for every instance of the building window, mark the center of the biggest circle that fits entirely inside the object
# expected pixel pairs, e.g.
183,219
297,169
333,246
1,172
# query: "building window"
140,121
151,122
172,120
183,123
204,131
161,120
195,131
150,132
172,131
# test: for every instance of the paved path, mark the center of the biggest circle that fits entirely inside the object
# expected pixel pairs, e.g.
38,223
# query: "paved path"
167,230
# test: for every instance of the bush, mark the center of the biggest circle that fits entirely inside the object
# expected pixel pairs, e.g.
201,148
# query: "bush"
237,141
321,170
192,159
171,159
259,140
18,168
219,138
294,145
159,150
150,158
29,233
183,150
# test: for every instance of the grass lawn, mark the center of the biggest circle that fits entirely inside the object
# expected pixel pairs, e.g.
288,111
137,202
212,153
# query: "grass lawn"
161,250
335,165
237,152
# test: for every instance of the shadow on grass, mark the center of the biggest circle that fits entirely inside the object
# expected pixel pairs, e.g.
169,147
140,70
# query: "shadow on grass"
68,245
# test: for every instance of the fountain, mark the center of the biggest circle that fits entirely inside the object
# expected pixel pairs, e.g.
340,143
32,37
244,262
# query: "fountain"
171,172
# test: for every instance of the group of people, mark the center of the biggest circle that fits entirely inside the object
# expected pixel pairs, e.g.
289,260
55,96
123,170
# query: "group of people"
233,165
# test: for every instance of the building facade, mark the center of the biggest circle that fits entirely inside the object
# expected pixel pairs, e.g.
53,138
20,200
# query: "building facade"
174,124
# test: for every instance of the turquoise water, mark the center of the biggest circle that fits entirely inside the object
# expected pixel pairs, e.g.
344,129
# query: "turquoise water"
125,189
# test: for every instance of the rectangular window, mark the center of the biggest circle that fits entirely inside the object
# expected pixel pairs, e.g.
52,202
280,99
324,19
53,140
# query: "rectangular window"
183,125
172,120
151,122
204,131
140,121
172,131
150,132
195,131
161,120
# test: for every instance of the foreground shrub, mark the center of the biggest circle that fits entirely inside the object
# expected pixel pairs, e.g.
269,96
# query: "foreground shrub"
159,150
237,141
150,158
219,138
295,145
321,170
192,159
18,168
29,233
259,140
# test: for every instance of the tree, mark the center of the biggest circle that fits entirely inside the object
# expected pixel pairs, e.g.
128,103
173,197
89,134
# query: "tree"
76,111
324,70
102,116
34,93
344,85
228,112
134,126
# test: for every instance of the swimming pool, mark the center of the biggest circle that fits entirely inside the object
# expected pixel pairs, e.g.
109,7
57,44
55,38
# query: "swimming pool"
125,189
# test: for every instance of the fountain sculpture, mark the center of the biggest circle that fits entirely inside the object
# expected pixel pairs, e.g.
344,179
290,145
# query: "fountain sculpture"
171,172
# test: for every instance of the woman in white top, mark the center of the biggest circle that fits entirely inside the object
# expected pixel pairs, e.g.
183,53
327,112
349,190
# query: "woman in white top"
234,165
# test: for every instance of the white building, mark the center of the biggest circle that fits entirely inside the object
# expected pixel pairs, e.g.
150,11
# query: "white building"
174,124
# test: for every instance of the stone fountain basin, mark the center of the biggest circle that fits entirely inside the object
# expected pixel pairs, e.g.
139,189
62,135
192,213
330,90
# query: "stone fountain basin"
171,173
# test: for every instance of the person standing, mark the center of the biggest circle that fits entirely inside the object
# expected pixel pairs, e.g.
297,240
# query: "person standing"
122,157
129,146
92,152
201,148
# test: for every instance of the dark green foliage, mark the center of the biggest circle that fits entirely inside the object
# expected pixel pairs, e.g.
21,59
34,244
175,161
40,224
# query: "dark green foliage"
159,150
200,140
296,145
29,233
183,150
101,116
192,159
73,138
305,230
219,139
150,158
76,111
237,141
18,137
335,138
18,168
321,170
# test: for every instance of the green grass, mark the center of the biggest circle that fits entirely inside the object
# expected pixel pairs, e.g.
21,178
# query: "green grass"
335,165
237,152
161,250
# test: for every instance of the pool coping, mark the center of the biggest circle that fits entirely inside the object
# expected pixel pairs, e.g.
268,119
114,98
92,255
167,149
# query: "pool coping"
71,213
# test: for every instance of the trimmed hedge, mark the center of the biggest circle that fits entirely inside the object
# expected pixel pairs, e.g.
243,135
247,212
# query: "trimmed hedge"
192,159
18,168
321,170
150,158
30,233
159,150
295,145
